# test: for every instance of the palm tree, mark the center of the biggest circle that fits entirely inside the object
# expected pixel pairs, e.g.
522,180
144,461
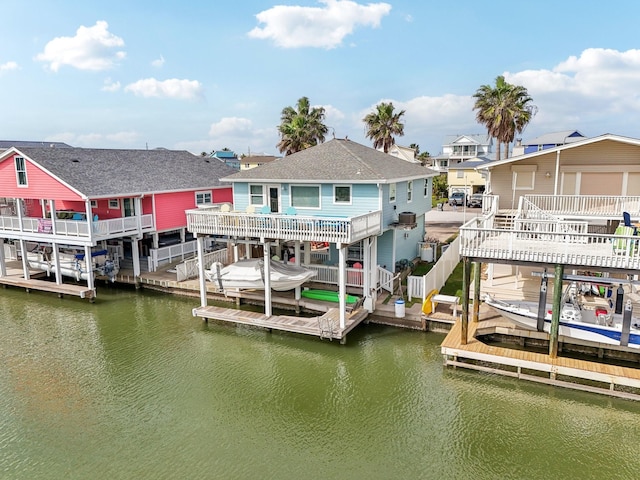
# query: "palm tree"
505,110
382,125
301,127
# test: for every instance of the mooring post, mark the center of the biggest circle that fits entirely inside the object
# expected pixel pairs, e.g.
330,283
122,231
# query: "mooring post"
626,324
466,280
556,309
542,303
476,291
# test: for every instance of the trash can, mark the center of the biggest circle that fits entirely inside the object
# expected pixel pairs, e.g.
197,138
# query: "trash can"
440,206
426,255
399,308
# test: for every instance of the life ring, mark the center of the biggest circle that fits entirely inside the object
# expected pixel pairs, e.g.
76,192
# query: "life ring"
426,305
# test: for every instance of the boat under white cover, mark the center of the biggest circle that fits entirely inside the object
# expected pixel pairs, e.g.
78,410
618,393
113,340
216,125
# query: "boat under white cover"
74,265
597,323
249,274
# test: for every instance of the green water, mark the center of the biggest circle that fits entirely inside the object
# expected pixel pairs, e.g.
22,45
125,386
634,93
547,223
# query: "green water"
135,387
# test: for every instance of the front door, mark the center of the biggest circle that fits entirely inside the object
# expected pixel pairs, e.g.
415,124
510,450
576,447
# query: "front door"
274,199
129,207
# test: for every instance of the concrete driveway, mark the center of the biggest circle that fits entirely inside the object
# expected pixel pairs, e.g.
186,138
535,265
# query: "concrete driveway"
442,224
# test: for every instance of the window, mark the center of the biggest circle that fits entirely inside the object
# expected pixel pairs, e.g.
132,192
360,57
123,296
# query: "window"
256,195
523,177
114,203
203,197
409,190
342,194
426,187
21,171
392,192
305,196
460,174
94,203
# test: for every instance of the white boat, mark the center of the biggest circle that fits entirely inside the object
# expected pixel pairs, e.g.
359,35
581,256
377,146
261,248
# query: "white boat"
249,274
74,265
593,320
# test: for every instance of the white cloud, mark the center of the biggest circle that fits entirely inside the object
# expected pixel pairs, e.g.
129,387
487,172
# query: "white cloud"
158,62
110,86
8,66
97,140
93,48
230,126
171,88
323,27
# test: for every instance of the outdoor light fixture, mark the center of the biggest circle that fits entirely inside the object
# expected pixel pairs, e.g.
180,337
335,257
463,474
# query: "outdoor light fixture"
548,174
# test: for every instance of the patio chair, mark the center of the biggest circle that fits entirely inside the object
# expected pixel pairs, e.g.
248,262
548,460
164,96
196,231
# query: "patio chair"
623,246
626,216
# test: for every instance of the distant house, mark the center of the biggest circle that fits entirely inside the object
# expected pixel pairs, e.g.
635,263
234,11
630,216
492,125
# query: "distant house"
459,148
468,176
405,153
548,140
253,161
126,201
228,157
368,205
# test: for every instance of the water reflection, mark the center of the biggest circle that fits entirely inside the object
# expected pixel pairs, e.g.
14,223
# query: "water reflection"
134,386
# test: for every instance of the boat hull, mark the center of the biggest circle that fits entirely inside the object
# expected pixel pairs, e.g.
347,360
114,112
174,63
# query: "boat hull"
74,265
592,328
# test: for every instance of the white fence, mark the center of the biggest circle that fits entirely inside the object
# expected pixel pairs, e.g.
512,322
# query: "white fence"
418,287
326,274
385,279
189,268
159,256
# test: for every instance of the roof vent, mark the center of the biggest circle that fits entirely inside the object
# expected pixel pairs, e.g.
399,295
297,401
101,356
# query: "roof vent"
75,160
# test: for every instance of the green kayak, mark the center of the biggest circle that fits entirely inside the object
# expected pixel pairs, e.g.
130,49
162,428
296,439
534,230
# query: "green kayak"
327,296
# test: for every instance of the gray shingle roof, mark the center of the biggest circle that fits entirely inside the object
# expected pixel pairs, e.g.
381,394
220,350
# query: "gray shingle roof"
334,161
556,138
28,143
111,172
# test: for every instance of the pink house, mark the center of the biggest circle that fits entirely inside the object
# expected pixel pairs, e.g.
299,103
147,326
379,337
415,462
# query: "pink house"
127,202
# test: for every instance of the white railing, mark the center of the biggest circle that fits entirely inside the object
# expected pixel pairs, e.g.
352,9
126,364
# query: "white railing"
328,274
164,255
77,228
10,252
385,279
434,279
587,205
594,250
189,268
289,227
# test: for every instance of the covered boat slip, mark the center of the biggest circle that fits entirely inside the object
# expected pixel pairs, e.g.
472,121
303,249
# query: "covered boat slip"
14,278
326,325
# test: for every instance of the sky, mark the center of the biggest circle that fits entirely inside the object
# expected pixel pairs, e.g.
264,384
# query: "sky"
207,75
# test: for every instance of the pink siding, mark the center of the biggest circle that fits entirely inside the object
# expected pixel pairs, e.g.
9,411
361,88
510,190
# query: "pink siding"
147,205
170,209
223,195
40,183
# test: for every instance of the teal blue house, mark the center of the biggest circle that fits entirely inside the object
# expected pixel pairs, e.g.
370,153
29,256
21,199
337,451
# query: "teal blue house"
364,208
341,178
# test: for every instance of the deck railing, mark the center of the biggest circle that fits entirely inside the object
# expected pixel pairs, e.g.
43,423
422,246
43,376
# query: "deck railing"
600,206
289,227
554,244
102,229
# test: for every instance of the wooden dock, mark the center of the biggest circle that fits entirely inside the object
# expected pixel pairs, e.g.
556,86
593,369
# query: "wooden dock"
325,326
81,291
584,375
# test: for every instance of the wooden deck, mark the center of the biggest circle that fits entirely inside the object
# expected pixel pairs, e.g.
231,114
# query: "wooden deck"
590,376
81,291
323,326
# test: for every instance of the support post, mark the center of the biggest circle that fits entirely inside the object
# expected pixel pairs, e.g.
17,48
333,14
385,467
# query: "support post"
201,278
626,324
296,255
542,302
466,280
88,263
25,262
3,265
556,310
56,263
268,311
342,282
136,257
476,291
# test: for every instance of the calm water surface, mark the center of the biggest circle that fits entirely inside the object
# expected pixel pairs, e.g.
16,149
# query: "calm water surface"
135,387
